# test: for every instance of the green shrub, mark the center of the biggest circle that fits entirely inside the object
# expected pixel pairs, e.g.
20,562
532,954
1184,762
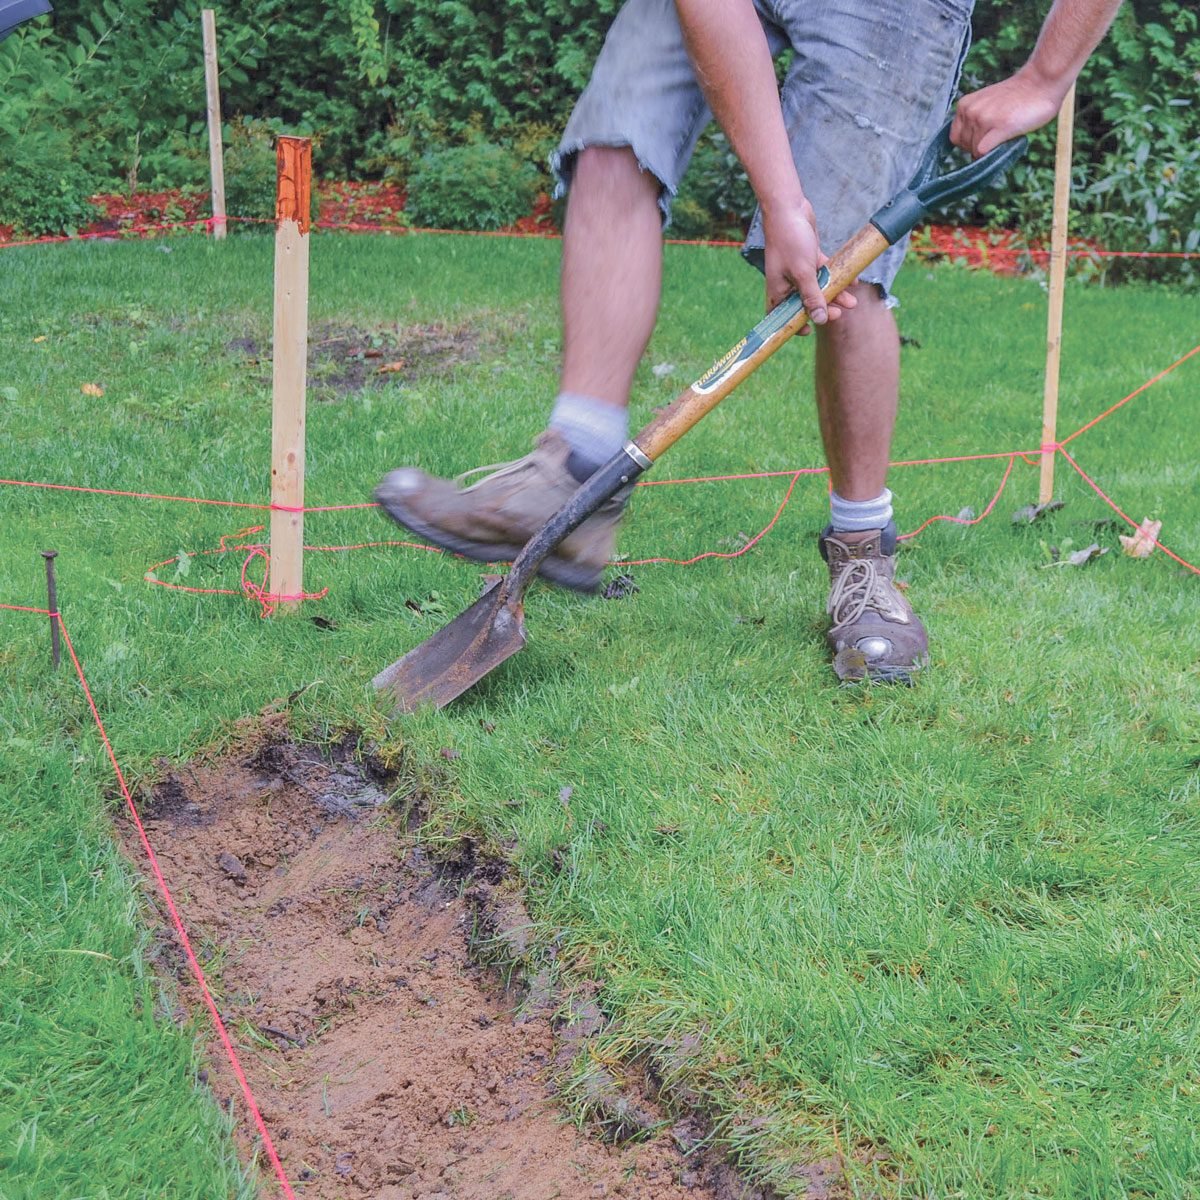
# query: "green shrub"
381,82
715,199
477,186
41,190
1137,130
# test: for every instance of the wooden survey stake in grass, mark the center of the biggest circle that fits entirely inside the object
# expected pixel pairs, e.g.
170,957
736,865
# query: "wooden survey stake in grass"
292,207
212,89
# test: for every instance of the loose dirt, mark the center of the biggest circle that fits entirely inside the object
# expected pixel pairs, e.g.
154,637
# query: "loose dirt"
385,1060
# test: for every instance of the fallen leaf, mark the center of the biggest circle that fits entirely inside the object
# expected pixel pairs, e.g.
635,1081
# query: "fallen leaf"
40,338
1079,558
487,726
391,368
1140,544
1035,512
447,753
92,389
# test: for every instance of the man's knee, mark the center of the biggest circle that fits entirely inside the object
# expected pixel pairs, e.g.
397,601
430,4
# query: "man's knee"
870,318
612,169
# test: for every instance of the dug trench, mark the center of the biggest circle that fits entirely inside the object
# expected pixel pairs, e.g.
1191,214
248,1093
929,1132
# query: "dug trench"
387,1060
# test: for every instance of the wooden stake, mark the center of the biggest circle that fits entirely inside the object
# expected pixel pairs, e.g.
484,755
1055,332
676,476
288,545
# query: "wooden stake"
1058,277
212,86
293,195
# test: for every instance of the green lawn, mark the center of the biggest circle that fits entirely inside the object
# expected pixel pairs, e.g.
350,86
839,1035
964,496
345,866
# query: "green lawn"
949,931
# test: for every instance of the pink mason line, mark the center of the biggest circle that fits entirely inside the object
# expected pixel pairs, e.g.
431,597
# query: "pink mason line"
176,920
268,600
1195,570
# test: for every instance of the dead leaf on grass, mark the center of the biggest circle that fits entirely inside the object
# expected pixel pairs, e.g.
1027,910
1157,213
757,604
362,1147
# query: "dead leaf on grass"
1141,543
1079,558
92,389
391,368
1035,512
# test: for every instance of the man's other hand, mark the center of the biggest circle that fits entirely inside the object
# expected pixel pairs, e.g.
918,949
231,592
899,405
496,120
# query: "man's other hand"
793,256
1017,105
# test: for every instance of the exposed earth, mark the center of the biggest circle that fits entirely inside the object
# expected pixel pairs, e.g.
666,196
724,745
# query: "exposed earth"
386,1061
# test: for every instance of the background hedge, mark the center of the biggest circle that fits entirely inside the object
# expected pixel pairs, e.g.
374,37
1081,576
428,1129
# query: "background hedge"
110,96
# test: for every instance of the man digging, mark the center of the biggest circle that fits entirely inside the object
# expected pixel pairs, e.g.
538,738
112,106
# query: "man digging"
870,83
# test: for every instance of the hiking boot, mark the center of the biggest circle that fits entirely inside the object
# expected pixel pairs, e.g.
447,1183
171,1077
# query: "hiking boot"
874,632
491,520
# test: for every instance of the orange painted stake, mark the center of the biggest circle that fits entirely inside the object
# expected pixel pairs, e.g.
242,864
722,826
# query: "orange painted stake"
293,195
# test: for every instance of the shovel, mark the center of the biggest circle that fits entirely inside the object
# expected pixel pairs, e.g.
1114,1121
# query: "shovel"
493,628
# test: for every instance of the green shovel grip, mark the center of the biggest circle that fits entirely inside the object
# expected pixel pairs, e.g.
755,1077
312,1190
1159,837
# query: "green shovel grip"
927,191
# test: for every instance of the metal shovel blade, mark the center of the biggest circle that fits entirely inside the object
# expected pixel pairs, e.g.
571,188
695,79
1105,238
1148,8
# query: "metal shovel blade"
460,654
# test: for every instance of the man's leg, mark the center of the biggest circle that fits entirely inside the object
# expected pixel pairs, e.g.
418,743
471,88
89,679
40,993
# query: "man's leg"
611,273
857,385
874,630
869,84
622,154
611,284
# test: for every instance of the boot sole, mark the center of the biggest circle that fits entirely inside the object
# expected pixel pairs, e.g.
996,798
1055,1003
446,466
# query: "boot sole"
562,572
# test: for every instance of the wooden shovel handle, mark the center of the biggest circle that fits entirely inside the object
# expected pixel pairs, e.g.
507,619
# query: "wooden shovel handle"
781,323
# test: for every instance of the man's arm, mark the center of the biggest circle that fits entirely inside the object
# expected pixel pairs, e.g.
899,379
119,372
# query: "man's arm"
1030,98
733,63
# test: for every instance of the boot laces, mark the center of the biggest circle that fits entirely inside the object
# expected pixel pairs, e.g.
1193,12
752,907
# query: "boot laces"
858,586
500,470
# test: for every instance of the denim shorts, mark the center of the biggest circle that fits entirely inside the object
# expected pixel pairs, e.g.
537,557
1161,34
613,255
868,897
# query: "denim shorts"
869,84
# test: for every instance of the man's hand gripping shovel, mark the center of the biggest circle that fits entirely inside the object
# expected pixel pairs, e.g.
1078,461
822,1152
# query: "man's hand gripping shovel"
493,628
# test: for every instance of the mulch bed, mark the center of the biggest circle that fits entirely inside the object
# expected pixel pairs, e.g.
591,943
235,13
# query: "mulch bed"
365,206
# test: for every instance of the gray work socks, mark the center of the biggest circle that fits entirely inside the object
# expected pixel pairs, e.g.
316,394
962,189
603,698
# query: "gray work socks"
594,429
857,516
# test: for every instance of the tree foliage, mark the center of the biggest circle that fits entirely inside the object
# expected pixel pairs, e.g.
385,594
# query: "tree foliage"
117,90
